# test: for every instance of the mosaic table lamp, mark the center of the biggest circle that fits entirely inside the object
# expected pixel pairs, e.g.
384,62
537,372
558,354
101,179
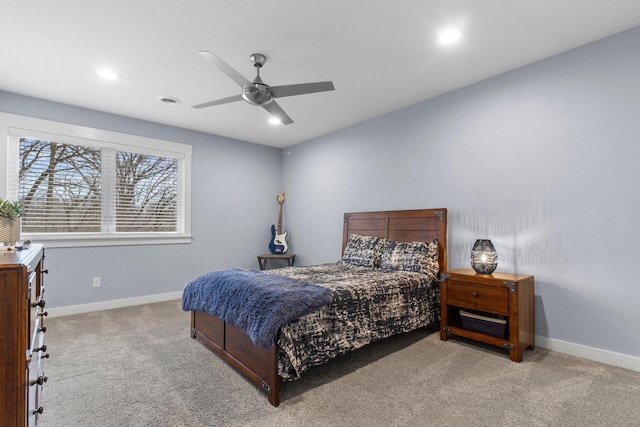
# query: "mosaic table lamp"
484,258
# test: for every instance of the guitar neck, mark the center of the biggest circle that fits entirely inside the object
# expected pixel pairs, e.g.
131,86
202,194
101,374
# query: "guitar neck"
280,218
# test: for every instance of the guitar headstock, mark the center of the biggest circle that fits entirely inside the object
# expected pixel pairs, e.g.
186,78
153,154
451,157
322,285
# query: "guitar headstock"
280,196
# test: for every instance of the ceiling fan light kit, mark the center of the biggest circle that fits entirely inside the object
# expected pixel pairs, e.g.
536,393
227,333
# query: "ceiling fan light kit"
258,92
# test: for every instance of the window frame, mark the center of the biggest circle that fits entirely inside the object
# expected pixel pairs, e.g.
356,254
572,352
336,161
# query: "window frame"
15,126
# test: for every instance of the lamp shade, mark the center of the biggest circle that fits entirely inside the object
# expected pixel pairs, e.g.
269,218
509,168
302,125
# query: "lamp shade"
484,258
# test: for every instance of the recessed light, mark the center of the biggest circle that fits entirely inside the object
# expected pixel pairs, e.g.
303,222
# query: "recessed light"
107,74
275,121
449,36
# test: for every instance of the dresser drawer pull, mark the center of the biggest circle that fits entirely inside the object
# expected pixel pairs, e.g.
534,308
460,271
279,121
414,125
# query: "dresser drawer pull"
44,314
40,303
43,348
43,329
38,411
474,294
44,356
41,380
45,271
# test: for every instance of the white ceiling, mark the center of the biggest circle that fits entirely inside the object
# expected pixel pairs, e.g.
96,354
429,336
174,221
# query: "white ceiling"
380,55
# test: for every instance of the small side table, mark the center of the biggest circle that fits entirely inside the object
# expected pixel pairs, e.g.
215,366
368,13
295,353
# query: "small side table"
509,295
262,259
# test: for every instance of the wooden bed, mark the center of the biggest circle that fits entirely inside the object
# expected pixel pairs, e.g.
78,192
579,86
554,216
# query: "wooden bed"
260,365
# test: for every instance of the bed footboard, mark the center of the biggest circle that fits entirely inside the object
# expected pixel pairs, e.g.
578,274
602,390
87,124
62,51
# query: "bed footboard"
232,344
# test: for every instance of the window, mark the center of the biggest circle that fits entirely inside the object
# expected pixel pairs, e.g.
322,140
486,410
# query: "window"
110,189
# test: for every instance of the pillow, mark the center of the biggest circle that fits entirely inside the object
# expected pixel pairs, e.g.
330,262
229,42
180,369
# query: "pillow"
363,250
411,256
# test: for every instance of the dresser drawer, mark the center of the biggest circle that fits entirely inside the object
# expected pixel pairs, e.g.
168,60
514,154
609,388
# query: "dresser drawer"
37,304
492,299
36,375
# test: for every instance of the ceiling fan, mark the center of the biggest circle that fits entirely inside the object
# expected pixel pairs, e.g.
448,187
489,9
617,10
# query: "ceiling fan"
258,92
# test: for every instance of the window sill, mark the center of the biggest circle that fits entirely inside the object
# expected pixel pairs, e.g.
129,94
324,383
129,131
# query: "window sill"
76,240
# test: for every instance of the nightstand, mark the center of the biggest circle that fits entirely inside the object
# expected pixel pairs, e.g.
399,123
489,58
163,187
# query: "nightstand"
504,295
262,259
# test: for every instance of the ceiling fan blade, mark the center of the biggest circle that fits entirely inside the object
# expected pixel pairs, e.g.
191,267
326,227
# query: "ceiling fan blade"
225,68
300,89
277,111
233,98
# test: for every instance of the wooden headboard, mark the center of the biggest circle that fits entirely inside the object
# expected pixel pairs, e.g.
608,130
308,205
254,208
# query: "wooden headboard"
419,225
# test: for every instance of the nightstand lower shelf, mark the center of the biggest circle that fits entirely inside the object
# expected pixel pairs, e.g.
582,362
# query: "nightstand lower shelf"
474,335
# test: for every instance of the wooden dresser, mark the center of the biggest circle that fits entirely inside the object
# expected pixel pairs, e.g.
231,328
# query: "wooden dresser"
22,332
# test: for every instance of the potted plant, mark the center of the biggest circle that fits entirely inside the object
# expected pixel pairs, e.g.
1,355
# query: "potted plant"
10,221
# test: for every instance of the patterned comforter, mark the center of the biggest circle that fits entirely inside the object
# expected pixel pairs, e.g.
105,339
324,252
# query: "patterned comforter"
368,304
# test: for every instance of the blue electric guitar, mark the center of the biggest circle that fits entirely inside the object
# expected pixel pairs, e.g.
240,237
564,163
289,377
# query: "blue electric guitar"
278,244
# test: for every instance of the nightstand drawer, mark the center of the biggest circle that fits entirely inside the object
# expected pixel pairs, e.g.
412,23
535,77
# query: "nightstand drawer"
491,299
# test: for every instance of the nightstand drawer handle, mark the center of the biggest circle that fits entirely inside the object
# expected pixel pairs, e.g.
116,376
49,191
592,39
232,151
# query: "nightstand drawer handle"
38,411
474,294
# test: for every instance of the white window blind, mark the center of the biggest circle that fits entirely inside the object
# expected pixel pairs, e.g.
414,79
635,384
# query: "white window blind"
83,191
146,193
60,187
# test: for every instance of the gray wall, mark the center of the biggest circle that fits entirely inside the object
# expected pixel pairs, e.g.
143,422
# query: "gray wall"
542,160
234,188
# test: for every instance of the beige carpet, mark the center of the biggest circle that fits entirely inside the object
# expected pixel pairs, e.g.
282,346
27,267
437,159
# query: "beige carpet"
138,366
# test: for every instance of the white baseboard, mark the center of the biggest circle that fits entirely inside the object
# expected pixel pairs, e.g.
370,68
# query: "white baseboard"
578,350
107,305
590,353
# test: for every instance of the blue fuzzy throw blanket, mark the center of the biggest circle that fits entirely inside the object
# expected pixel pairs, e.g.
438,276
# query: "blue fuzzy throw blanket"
257,302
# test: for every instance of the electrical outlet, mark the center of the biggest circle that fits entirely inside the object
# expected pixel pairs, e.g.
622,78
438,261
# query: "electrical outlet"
96,282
